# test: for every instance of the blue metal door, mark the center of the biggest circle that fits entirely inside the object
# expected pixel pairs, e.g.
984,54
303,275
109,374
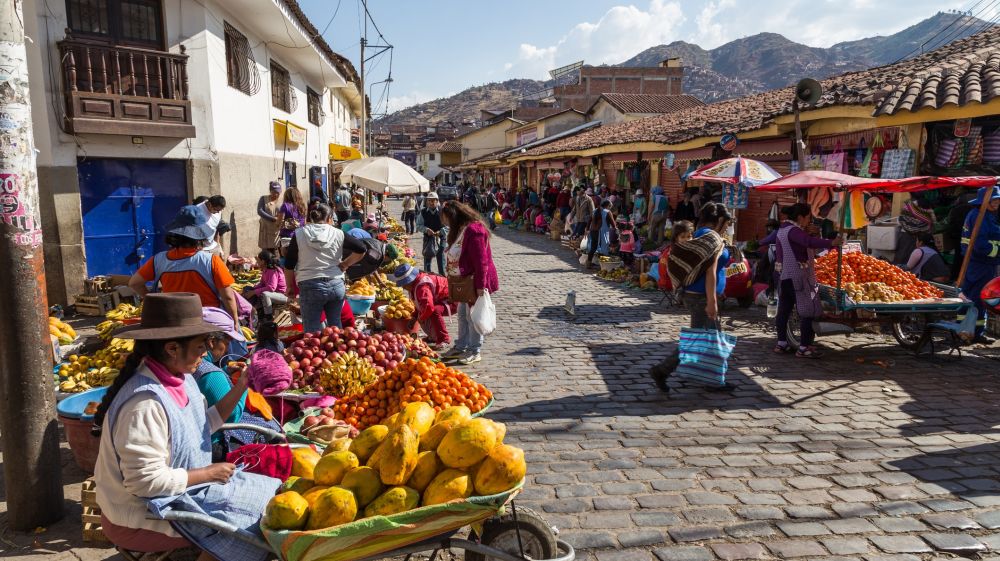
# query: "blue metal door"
126,204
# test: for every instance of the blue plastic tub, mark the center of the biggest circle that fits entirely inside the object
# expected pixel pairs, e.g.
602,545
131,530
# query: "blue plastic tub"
360,304
72,407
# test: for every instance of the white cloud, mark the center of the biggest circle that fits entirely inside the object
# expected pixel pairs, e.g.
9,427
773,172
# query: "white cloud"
413,98
712,33
621,33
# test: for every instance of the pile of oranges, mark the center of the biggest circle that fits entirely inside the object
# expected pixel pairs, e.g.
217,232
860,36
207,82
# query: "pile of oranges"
412,381
861,268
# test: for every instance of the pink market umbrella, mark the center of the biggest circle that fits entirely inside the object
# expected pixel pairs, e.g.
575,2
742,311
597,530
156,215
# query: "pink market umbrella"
736,171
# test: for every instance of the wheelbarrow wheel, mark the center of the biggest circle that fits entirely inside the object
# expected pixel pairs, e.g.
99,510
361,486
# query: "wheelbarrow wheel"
537,537
911,332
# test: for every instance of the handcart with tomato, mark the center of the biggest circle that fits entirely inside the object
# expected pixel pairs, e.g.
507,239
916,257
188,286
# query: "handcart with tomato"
911,322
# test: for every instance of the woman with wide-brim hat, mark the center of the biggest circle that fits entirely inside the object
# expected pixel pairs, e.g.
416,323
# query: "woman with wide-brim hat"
156,442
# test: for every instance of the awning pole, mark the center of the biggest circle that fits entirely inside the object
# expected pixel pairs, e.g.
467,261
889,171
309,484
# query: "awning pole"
972,238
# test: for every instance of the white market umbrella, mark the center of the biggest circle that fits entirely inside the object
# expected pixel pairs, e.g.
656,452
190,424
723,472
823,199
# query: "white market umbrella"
381,174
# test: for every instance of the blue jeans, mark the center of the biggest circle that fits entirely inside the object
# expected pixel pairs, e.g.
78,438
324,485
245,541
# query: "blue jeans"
321,295
468,338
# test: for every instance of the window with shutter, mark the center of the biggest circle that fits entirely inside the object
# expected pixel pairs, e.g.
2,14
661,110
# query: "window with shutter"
281,88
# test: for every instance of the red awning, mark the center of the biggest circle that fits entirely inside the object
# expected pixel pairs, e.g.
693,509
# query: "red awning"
840,181
703,153
757,148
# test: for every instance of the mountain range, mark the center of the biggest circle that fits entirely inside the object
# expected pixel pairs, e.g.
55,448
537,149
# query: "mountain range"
741,67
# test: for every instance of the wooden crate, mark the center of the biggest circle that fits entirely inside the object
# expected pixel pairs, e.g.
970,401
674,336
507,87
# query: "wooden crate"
91,517
96,305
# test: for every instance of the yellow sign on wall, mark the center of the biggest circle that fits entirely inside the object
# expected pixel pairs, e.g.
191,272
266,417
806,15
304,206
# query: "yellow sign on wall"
288,131
340,152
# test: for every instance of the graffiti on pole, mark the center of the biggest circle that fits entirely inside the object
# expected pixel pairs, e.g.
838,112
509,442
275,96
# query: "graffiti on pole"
19,218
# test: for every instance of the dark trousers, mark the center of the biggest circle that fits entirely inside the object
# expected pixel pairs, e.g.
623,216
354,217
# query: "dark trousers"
410,221
343,216
594,239
786,303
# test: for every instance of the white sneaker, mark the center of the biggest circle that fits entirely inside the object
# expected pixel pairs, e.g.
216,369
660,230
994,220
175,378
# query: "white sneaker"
470,359
453,352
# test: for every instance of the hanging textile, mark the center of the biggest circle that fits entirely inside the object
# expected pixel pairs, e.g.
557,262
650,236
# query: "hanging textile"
835,160
878,150
853,208
814,162
654,176
859,157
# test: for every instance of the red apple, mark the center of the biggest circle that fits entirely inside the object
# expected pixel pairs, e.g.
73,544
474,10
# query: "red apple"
328,421
327,411
379,356
392,364
297,373
307,353
310,421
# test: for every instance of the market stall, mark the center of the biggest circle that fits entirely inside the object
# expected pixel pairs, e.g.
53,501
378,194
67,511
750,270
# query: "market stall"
858,289
384,175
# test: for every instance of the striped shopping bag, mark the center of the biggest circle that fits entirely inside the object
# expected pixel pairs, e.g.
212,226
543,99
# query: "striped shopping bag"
704,355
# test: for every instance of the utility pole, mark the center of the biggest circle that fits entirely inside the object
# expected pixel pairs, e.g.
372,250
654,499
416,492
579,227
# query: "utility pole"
364,99
31,466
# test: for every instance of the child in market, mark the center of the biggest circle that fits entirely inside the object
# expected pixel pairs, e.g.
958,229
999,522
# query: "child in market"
683,231
541,223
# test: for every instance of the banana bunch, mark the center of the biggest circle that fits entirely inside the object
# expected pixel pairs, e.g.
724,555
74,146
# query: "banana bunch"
390,292
82,372
349,374
248,333
106,329
391,267
400,309
362,288
61,331
124,311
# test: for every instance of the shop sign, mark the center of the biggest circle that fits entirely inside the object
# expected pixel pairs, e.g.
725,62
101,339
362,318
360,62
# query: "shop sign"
962,128
728,142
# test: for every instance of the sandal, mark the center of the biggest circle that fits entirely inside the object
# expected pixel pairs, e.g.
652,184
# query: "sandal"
809,352
783,349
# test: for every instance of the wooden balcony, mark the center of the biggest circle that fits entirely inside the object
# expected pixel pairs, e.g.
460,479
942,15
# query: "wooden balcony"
124,90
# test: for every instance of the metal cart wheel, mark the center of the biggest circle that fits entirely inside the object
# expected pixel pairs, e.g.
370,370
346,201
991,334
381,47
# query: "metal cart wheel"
520,529
792,332
910,331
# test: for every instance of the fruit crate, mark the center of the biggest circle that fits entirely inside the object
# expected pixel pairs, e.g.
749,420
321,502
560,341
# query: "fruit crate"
91,517
96,305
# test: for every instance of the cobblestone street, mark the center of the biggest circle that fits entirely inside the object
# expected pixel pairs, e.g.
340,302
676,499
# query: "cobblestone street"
828,459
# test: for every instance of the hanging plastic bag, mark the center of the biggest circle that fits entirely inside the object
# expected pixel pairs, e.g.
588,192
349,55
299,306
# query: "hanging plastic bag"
484,314
496,217
585,244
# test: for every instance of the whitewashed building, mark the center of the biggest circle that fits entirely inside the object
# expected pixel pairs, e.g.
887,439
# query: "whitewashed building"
141,105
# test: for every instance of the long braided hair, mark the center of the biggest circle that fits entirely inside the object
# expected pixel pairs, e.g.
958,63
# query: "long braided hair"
142,349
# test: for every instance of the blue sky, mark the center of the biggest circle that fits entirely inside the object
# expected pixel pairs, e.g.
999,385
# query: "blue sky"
445,46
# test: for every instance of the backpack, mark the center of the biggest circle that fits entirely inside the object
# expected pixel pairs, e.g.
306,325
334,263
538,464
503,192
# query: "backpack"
689,260
373,259
343,200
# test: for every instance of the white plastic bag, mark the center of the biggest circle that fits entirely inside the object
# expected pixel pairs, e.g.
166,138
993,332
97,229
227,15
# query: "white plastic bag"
484,314
585,244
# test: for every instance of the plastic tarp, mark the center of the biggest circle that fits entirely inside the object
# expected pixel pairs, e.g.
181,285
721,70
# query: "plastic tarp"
381,174
839,181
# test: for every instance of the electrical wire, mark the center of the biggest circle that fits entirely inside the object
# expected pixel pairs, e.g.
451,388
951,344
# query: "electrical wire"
919,48
970,23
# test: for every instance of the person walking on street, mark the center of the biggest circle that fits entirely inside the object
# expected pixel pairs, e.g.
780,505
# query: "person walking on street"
267,211
315,263
492,207
564,202
409,214
434,233
798,288
583,211
186,268
342,203
685,208
601,226
469,254
660,209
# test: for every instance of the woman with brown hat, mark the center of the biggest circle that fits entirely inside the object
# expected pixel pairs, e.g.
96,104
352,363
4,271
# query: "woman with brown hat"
156,444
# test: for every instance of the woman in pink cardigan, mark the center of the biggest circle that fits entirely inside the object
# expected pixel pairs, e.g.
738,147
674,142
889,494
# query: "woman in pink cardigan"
468,254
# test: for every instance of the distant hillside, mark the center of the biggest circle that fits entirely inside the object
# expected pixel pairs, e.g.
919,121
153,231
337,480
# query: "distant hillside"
748,65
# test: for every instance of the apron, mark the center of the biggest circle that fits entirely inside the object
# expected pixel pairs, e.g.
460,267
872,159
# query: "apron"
802,275
267,234
239,502
604,235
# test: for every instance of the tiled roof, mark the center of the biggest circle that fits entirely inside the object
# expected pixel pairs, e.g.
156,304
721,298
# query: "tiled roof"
445,146
649,103
959,73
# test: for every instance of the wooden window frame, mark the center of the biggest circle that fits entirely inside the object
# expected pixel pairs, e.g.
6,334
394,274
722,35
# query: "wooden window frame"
279,100
314,106
115,29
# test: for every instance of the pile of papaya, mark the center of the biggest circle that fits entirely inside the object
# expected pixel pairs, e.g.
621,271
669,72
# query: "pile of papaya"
420,458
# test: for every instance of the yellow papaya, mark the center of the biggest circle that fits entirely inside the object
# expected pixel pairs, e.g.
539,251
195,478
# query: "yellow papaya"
468,443
364,482
427,467
331,467
338,446
449,485
312,493
287,511
393,501
457,413
367,441
304,461
333,507
419,416
501,470
298,484
432,438
399,457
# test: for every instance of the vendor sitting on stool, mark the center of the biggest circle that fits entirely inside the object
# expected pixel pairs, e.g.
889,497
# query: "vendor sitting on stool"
429,293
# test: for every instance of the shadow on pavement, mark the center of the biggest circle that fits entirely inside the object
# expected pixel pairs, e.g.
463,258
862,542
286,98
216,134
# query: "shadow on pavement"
968,473
600,314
